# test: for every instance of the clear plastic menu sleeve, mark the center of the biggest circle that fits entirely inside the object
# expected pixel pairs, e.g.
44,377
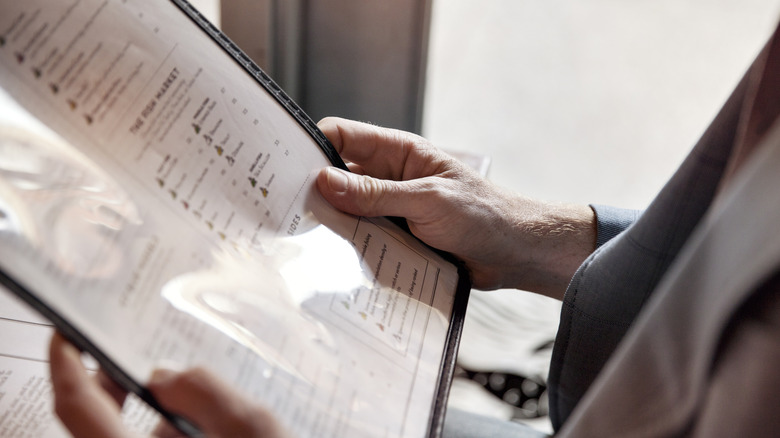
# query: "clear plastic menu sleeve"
157,203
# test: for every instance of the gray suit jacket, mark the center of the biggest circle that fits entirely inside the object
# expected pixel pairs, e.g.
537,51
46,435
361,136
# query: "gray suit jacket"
663,321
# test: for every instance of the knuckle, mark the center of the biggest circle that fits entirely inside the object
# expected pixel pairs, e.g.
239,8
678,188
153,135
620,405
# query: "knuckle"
61,406
193,376
66,401
373,191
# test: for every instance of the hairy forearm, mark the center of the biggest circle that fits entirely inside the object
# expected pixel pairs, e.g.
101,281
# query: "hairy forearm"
550,241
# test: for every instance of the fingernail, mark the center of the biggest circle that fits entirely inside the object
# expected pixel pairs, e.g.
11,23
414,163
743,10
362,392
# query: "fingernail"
337,180
161,375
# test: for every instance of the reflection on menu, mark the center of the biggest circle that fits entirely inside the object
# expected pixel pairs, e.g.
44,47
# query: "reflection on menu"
198,145
183,131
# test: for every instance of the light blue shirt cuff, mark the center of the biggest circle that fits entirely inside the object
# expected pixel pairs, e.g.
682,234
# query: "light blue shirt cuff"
611,221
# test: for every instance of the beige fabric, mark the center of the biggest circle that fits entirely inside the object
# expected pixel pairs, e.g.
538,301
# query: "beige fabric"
744,392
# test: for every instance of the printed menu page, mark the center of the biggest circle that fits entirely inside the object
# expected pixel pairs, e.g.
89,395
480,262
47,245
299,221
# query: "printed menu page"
162,202
26,408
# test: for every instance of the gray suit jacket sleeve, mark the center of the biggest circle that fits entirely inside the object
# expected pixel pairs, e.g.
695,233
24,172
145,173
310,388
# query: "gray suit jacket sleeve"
610,288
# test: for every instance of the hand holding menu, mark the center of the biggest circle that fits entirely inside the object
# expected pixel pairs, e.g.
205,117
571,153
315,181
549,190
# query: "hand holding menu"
157,203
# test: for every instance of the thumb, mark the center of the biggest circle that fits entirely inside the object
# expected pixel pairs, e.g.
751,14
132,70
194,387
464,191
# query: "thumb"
362,195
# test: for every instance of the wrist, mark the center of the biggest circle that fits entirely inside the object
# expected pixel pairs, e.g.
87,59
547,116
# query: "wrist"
553,241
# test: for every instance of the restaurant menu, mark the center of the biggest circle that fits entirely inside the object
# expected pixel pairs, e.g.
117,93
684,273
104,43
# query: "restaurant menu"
157,203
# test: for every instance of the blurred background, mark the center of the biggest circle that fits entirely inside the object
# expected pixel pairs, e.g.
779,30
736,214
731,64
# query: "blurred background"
593,101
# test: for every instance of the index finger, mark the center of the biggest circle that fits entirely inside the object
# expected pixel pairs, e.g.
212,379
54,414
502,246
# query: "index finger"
210,403
380,152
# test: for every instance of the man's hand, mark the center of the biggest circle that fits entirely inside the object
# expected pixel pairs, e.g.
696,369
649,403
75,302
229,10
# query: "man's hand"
90,407
505,240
